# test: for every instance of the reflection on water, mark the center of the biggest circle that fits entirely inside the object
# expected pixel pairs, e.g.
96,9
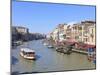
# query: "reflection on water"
48,60
15,60
15,73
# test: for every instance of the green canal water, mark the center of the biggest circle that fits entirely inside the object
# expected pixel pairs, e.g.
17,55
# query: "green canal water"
47,60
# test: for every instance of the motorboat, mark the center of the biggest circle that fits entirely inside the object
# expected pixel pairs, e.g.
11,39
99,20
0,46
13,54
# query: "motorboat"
50,46
45,44
27,53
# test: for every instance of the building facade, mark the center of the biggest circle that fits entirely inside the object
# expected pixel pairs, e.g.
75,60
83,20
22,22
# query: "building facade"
80,32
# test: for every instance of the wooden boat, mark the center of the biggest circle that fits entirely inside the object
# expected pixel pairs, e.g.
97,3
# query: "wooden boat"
27,53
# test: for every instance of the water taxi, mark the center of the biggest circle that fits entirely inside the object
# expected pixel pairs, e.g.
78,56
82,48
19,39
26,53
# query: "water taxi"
27,53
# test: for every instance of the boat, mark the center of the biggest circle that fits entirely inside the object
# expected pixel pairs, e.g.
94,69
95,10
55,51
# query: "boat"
16,43
27,53
45,44
50,46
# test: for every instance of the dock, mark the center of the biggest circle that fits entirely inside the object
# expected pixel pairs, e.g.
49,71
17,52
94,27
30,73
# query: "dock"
79,51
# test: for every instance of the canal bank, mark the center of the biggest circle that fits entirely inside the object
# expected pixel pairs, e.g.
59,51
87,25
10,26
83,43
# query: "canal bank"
48,59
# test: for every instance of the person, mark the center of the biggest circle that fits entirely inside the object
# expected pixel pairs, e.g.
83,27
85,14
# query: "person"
90,53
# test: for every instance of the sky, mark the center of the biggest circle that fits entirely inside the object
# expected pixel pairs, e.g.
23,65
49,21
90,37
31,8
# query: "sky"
44,17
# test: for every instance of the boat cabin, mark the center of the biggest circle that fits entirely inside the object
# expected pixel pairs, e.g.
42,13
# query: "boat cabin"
27,53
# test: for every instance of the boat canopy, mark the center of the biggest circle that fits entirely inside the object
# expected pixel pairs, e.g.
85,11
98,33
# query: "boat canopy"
27,50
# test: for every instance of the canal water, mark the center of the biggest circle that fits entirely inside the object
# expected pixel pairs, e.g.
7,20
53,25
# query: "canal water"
47,60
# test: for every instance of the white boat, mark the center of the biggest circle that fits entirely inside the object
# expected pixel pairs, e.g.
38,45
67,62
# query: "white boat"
50,46
27,53
45,44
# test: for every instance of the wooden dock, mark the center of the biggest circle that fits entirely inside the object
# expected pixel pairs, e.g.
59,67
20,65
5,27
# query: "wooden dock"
79,51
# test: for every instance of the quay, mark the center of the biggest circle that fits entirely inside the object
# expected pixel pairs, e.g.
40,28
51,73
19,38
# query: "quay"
79,51
63,46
